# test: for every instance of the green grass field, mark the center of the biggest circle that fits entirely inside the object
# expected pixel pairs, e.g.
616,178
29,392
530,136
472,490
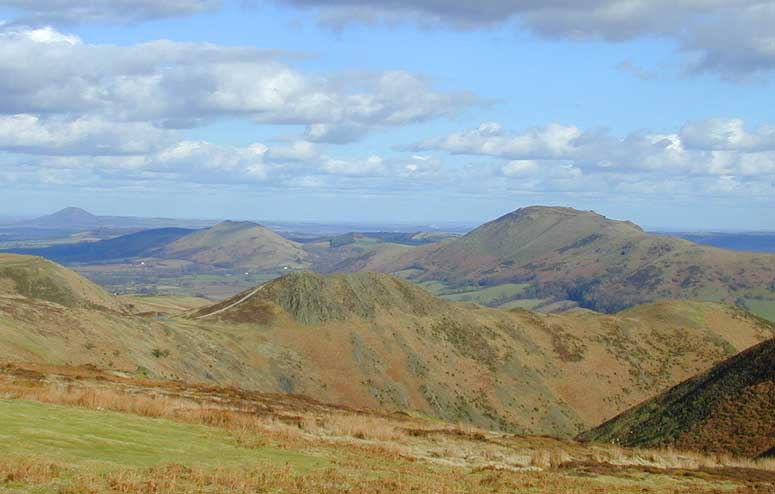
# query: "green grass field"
487,296
103,440
762,308
525,303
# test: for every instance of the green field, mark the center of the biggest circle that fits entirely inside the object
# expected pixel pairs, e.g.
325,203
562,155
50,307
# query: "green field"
493,295
762,308
104,440
525,303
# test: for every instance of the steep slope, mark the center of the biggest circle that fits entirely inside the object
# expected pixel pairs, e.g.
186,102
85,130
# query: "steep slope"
141,244
36,279
238,244
606,265
728,409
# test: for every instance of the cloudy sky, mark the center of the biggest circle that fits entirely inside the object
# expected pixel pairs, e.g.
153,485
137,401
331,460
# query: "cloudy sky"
390,110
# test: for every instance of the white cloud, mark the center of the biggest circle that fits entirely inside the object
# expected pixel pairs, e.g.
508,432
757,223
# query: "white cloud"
185,84
87,135
520,168
716,147
727,134
373,165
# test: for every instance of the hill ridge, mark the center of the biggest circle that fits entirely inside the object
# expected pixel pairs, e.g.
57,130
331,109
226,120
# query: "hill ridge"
312,298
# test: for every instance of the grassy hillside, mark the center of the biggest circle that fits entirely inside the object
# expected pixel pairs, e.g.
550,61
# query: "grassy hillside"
238,244
378,341
605,265
103,433
728,409
312,298
36,279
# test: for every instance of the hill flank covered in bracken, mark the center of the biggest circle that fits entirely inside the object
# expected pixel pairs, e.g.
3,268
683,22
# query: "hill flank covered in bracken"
728,409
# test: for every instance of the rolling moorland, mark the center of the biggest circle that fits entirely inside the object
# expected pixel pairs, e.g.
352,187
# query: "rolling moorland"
240,441
377,341
543,258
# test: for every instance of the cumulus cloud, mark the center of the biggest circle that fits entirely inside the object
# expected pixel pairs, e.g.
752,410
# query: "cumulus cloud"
373,165
85,135
714,147
39,12
729,36
175,85
727,134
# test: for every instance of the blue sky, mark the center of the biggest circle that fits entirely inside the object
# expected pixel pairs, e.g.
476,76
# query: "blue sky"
390,110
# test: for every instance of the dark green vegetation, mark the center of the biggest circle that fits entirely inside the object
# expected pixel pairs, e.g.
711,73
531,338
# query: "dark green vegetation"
728,409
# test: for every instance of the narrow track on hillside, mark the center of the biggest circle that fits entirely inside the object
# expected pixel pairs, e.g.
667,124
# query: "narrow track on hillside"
224,309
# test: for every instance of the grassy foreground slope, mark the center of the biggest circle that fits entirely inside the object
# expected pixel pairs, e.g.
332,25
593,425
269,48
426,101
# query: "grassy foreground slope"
377,341
605,265
729,409
76,430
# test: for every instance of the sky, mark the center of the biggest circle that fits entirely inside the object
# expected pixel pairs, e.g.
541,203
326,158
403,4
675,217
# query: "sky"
400,111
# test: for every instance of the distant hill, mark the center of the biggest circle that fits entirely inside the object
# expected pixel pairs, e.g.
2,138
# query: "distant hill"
37,279
728,409
581,256
141,244
74,219
228,244
67,218
238,244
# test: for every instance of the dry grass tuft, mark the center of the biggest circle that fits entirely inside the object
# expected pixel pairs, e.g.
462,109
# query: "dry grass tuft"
549,459
28,471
